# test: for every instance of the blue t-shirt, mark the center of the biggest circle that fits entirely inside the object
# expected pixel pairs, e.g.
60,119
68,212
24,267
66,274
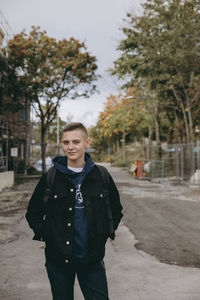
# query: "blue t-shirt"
80,243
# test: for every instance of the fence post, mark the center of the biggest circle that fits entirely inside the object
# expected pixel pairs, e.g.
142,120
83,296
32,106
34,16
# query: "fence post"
163,168
182,163
152,166
177,162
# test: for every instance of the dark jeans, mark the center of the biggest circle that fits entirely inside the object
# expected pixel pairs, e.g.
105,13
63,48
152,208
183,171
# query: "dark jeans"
91,278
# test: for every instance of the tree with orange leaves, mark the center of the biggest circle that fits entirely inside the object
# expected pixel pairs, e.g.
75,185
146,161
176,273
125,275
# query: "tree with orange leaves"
124,118
44,71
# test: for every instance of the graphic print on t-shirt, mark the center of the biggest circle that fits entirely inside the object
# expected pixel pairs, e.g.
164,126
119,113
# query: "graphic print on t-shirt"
79,197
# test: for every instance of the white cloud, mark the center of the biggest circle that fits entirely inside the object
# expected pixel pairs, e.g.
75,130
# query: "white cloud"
84,110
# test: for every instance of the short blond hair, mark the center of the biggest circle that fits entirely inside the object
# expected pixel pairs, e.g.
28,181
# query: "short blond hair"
74,126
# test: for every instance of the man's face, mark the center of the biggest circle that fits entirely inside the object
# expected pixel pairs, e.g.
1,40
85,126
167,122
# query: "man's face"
74,145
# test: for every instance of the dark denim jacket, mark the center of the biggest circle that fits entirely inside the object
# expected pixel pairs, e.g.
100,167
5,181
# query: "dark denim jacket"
53,222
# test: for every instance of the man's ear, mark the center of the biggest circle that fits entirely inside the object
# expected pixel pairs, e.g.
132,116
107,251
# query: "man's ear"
88,141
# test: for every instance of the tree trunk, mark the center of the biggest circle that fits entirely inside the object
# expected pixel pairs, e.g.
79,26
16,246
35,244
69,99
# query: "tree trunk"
179,100
190,122
27,145
186,124
43,147
150,132
117,145
157,130
179,131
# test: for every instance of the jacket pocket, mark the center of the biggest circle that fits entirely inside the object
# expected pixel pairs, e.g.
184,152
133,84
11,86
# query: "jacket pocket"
99,214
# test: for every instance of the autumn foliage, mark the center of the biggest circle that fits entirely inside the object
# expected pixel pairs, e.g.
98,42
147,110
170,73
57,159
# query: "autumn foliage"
124,117
44,71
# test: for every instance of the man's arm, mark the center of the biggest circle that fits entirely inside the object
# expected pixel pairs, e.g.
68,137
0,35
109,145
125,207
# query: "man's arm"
36,209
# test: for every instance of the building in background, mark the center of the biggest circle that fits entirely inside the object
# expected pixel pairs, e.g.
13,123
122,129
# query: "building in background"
14,127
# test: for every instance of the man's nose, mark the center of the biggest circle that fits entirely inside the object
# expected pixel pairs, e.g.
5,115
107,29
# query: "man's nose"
70,145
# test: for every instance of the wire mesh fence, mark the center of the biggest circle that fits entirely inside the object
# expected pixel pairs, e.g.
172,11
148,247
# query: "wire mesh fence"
179,162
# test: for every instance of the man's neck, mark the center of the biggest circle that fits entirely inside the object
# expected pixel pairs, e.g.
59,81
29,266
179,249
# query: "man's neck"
76,164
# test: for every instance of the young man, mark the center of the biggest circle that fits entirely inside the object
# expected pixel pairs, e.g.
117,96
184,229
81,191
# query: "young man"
74,222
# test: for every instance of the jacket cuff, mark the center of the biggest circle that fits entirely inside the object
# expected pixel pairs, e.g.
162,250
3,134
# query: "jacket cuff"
39,233
38,238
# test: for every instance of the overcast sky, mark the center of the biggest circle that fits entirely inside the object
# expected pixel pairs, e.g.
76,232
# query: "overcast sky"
96,22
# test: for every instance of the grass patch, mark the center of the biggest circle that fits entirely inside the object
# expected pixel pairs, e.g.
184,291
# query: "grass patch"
121,164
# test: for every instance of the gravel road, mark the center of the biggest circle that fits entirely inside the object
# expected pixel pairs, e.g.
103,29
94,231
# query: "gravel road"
164,218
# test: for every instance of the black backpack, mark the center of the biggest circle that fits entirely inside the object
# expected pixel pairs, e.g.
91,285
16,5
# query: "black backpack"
106,181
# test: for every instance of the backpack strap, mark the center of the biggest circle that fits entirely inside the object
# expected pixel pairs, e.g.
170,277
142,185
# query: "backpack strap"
106,181
49,184
105,176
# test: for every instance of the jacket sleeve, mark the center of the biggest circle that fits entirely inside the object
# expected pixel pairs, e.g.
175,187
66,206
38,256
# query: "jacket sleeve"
36,210
115,204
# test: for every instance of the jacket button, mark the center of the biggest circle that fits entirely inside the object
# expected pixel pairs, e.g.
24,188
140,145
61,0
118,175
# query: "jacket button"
101,195
69,224
71,190
70,208
55,196
67,242
66,261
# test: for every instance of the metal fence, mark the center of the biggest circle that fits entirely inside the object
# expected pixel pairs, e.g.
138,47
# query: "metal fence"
180,162
3,163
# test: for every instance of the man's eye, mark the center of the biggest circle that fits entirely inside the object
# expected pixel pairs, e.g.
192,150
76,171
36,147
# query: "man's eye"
76,142
65,143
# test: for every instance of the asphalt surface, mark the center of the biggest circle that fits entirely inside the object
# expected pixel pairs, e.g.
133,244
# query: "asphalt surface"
132,273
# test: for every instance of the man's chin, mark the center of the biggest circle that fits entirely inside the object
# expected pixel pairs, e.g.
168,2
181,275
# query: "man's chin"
72,157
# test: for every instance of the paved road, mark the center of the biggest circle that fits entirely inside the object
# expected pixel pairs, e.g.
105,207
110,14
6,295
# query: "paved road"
132,274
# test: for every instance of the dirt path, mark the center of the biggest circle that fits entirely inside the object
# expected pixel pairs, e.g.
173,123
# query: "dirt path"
164,218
